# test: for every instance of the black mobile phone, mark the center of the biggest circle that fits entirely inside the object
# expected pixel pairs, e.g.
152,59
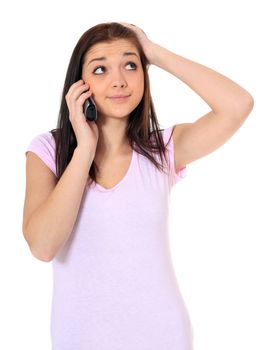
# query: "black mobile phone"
90,110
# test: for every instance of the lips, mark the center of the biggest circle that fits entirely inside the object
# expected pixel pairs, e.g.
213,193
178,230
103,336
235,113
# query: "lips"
119,96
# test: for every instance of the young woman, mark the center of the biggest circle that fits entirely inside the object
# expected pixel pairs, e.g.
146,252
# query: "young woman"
97,192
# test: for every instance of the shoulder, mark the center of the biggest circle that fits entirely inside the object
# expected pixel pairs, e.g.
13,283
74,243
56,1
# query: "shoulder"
178,129
47,136
43,145
174,132
45,139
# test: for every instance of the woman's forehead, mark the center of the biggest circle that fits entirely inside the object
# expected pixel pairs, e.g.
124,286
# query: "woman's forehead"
110,48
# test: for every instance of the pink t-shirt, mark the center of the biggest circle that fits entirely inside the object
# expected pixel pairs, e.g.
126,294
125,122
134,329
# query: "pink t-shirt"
114,286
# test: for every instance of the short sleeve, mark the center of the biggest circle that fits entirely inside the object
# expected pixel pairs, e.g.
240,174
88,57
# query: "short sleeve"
44,147
175,177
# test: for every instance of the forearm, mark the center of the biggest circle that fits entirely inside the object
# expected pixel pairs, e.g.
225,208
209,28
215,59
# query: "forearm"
51,224
219,92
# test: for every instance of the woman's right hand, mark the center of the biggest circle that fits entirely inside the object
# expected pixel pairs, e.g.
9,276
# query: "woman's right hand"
86,132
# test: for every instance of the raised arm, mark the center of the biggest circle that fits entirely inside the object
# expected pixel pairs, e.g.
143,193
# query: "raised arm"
230,103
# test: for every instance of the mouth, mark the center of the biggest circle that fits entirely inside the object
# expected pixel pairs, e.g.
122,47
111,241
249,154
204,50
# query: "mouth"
119,98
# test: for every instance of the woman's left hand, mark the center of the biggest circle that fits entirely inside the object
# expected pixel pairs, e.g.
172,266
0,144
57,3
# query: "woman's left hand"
142,37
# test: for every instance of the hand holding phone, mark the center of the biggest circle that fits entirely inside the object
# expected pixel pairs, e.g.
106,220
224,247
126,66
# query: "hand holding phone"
86,133
90,110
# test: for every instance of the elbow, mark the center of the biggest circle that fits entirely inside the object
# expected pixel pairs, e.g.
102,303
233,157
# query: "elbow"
41,256
249,103
244,108
38,253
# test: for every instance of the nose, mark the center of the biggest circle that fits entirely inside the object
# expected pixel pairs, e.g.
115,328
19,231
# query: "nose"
118,79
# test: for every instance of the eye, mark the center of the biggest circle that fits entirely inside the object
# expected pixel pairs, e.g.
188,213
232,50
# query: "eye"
103,68
96,70
133,64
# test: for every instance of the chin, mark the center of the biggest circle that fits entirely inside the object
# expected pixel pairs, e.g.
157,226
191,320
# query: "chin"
121,113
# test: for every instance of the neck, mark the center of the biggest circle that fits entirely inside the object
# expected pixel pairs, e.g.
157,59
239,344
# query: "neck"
112,137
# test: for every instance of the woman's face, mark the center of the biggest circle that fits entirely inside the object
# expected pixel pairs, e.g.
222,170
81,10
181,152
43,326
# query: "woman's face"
114,69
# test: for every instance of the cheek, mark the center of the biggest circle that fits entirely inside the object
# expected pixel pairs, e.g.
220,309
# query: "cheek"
95,87
141,86
91,81
141,80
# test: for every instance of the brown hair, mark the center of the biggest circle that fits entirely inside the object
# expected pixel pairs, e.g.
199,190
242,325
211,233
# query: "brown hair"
142,122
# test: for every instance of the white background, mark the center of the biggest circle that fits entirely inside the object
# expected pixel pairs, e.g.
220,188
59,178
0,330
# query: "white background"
216,225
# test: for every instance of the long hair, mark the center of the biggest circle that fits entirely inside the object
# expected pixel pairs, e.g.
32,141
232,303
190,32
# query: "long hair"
142,121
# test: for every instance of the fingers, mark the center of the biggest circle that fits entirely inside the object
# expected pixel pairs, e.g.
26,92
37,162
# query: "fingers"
132,27
76,96
76,90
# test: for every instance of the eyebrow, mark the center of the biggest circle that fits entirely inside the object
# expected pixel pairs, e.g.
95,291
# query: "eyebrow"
104,58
